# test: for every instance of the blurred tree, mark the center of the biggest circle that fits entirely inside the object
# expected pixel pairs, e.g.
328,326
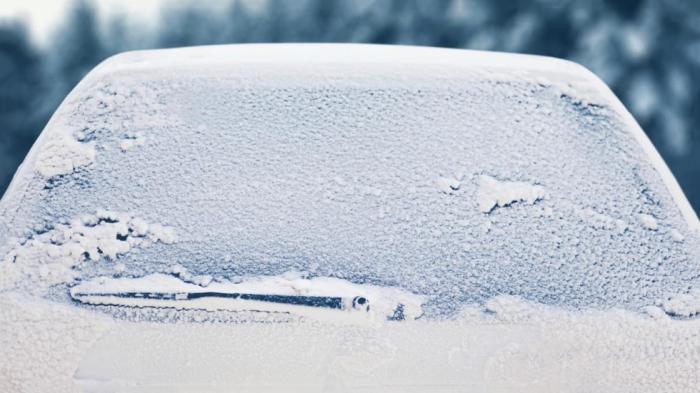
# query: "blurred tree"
190,25
21,112
240,26
76,48
648,51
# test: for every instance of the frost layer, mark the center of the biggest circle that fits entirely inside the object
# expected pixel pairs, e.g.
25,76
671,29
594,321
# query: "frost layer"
372,165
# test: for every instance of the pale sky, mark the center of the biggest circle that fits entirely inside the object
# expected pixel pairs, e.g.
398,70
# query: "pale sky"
43,16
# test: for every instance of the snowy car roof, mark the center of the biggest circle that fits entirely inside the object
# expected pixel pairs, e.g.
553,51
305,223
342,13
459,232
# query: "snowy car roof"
454,175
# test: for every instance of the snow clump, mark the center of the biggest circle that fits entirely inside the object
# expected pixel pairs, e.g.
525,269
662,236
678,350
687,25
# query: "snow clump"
683,305
493,193
52,256
649,222
62,154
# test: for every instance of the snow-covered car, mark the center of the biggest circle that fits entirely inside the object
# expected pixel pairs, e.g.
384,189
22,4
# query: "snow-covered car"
346,218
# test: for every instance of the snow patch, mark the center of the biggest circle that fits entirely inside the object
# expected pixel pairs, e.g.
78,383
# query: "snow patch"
684,305
493,193
486,227
448,185
131,142
656,312
182,272
579,91
508,307
62,154
677,236
602,221
158,232
52,256
649,222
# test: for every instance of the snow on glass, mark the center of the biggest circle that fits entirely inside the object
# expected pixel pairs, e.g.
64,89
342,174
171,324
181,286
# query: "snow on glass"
479,189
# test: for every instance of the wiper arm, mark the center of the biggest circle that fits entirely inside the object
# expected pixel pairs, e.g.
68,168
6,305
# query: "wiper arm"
358,303
332,297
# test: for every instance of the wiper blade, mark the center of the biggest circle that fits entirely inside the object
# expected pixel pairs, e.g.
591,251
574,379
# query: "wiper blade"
316,297
359,303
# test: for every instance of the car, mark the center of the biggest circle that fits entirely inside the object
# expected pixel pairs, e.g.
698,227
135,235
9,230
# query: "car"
340,217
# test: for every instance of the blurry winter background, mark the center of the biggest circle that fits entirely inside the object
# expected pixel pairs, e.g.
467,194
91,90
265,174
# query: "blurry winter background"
648,51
